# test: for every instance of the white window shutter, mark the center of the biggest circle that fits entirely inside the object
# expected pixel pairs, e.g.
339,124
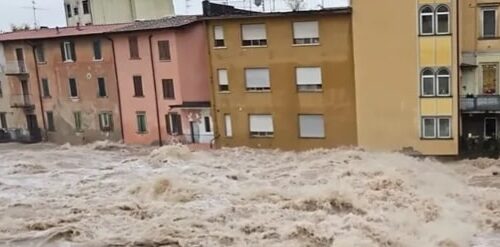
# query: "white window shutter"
228,124
254,32
261,123
309,76
257,77
304,30
218,32
223,78
312,126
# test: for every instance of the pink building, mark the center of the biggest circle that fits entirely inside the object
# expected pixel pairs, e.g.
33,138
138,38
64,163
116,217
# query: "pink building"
163,75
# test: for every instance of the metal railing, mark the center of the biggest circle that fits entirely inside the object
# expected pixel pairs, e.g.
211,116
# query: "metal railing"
480,103
15,67
21,101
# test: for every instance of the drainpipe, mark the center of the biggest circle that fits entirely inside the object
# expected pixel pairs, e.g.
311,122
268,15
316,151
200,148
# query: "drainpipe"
117,87
213,107
39,90
156,91
459,54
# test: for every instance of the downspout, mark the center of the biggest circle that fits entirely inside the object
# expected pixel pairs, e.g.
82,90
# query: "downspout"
156,91
212,88
459,54
39,90
117,87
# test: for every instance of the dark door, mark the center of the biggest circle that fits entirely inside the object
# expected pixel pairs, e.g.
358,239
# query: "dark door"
25,91
20,59
31,122
195,132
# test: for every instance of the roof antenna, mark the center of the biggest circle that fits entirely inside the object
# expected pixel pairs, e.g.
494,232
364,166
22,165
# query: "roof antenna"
35,9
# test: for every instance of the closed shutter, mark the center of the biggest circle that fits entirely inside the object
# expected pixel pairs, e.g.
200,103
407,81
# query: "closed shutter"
254,32
257,78
223,78
261,123
73,51
219,33
304,30
312,126
228,124
309,76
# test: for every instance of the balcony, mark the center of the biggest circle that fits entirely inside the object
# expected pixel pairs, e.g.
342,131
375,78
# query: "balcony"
21,101
480,103
15,68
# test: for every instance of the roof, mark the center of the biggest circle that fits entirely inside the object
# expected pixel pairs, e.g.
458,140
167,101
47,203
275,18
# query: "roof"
167,22
61,32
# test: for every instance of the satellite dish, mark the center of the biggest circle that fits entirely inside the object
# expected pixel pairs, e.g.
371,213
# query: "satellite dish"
258,3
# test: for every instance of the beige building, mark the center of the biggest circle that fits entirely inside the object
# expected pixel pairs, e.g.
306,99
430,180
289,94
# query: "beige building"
85,12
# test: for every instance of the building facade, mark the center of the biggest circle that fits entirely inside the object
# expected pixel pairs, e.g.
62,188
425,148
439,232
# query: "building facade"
164,81
97,12
283,80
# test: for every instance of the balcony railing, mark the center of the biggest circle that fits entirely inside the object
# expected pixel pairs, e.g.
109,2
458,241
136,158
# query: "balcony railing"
21,101
480,103
15,68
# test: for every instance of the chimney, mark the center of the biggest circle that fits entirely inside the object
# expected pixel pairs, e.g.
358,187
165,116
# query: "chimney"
78,26
57,30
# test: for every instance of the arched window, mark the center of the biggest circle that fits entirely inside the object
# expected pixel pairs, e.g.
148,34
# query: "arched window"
443,82
427,80
426,20
442,20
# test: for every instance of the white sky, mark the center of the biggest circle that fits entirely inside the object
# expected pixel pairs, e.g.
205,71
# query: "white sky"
52,11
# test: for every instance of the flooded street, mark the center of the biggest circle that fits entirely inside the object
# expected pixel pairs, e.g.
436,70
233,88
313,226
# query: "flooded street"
113,195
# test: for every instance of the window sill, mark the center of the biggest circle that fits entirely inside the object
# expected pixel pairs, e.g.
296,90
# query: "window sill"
135,58
436,139
165,60
224,92
68,61
41,63
259,91
299,45
47,97
489,38
220,47
98,60
310,91
142,132
254,46
436,96
312,138
435,35
74,99
262,137
164,98
139,96
103,97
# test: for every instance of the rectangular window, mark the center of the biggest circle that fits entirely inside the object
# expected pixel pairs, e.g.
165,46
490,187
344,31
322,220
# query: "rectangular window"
228,125
3,120
164,50
254,35
96,44
76,11
306,32
436,127
133,47
73,88
257,79
138,86
312,126
223,80
141,122
490,75
208,124
489,24
68,10
427,21
309,79
50,121
168,89
101,87
78,120
86,6
106,121
428,128
444,127
174,124
45,88
490,128
261,126
40,53
219,37
68,51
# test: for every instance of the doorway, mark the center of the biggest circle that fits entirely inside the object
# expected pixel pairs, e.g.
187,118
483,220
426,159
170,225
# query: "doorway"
195,132
25,91
490,128
20,60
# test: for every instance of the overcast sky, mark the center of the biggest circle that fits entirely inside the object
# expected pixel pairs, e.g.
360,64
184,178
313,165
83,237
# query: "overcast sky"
51,12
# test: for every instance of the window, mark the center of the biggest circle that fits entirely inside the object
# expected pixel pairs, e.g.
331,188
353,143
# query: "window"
45,88
436,127
164,50
73,88
141,122
68,51
426,20
75,11
78,120
443,82
228,125
311,126
219,36
96,44
254,35
168,89
305,33
174,124
489,23
50,121
101,87
133,47
86,7
3,120
257,79
138,86
489,76
309,79
442,20
223,80
40,53
106,121
490,128
261,126
428,77
208,124
68,10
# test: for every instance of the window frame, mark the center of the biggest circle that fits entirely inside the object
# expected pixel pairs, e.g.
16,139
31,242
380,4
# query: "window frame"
223,40
207,121
46,88
143,115
438,84
107,117
168,86
257,89
178,130
437,128
253,42
424,136
494,9
421,18
40,54
223,88
164,45
228,131
422,80
69,11
68,51
496,127
86,10
99,95
438,123
311,87
96,43
311,41
260,134
77,115
133,46
436,19
50,121
135,83
300,116
76,89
